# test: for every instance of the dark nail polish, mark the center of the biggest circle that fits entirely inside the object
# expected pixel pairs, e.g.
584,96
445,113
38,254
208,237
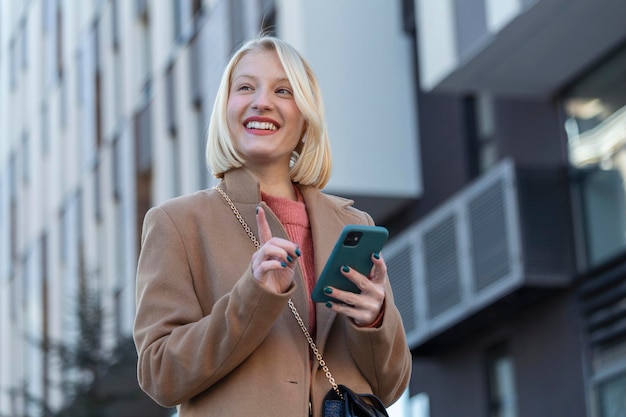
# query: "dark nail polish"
289,259
345,268
298,252
283,264
329,304
328,290
257,210
376,255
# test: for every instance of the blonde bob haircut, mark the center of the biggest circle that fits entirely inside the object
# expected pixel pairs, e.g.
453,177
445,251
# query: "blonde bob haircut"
313,166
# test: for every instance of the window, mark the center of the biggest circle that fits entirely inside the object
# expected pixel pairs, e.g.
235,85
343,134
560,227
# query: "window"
197,72
63,101
501,382
24,43
181,14
595,116
170,117
201,140
170,99
609,376
12,65
175,165
143,139
88,96
612,396
13,220
116,168
97,192
115,27
52,31
45,129
26,158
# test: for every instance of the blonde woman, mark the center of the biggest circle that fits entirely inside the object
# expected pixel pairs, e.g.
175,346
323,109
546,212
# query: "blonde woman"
213,330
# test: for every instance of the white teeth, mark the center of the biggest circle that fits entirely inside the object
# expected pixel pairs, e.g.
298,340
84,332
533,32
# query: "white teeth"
261,125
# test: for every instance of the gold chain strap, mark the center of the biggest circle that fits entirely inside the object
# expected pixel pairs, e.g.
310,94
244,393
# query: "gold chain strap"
292,306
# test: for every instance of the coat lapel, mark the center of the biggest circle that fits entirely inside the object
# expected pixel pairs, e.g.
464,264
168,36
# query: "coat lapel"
327,216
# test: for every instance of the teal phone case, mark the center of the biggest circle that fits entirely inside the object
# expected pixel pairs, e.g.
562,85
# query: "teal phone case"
353,248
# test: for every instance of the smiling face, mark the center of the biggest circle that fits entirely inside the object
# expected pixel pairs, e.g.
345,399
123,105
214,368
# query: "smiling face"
263,118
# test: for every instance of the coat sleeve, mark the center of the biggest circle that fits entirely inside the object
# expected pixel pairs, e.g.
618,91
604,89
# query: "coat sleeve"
181,351
382,354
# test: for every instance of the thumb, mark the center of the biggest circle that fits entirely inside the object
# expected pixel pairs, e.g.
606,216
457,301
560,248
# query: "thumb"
265,233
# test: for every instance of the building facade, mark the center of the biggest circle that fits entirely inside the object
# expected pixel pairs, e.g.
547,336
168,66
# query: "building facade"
514,302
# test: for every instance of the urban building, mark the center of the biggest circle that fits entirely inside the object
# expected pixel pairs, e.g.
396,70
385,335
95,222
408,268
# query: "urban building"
486,135
514,302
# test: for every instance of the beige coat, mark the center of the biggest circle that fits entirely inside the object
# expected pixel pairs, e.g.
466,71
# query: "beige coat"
215,342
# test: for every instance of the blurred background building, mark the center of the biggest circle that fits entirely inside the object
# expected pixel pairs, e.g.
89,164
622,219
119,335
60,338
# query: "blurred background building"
487,135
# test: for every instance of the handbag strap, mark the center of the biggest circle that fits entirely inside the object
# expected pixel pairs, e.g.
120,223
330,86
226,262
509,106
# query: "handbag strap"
292,306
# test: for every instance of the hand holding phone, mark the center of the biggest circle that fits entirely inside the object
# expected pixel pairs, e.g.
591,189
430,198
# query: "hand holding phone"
354,248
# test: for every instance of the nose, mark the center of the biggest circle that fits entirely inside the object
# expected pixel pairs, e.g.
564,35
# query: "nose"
262,100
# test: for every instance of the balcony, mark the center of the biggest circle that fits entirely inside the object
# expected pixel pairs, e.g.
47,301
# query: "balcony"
494,248
520,48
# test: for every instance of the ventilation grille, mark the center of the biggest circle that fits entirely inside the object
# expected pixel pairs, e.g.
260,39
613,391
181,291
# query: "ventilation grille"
491,253
441,261
459,259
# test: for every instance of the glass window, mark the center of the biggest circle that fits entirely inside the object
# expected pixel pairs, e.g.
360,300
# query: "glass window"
170,99
181,18
197,72
143,139
501,382
63,111
12,64
115,27
595,125
176,168
97,192
201,138
612,397
26,158
45,129
24,42
116,169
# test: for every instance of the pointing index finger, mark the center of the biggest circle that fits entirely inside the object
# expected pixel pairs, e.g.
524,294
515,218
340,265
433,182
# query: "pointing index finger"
265,233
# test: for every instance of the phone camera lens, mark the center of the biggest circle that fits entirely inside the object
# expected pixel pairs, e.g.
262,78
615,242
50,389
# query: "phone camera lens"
352,239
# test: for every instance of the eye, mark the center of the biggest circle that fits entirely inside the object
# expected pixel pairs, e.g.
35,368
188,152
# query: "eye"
244,87
284,91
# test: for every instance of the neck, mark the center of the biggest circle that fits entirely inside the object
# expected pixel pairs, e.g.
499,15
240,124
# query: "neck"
275,183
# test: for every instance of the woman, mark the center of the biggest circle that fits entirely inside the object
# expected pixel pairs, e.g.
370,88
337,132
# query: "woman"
213,329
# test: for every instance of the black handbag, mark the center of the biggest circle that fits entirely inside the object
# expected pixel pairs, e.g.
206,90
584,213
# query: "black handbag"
340,400
352,404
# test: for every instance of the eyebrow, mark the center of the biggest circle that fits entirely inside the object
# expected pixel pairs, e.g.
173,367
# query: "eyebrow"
282,79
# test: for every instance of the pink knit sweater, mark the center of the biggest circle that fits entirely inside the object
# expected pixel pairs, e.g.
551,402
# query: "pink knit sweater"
295,220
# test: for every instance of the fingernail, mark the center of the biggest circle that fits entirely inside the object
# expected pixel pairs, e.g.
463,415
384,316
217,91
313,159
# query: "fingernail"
257,210
329,304
328,290
345,268
298,252
289,259
283,264
376,255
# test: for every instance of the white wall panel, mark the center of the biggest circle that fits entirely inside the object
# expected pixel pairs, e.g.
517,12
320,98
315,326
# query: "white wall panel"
501,12
363,61
436,44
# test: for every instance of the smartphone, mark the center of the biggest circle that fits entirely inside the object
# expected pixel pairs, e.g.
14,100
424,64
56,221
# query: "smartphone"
353,248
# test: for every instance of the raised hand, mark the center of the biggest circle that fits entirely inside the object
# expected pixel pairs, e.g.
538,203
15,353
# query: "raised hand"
273,265
364,308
